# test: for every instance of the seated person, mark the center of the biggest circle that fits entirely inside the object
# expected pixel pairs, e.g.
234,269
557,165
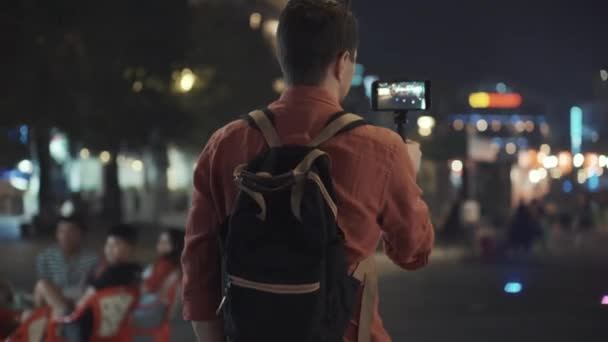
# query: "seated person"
169,249
8,318
67,264
120,270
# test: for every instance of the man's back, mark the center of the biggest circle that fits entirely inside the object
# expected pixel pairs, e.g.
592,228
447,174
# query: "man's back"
373,178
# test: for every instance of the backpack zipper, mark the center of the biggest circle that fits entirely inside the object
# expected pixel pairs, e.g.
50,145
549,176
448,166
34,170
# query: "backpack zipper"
275,288
265,287
224,298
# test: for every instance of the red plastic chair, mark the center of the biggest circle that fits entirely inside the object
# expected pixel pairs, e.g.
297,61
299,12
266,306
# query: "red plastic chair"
9,321
33,328
168,296
111,309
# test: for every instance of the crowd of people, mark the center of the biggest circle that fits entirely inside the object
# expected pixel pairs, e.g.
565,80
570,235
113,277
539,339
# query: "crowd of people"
69,275
539,223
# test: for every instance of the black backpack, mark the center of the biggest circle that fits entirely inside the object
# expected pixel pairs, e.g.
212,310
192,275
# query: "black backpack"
284,270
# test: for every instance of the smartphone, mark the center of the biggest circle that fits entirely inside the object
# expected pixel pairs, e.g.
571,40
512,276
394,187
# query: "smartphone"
401,96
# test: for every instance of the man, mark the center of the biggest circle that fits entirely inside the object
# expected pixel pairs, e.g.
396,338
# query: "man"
373,175
119,270
67,264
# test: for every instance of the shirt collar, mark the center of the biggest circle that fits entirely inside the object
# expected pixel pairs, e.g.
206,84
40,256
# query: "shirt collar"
310,94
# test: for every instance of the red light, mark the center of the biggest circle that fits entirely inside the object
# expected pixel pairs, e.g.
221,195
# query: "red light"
495,100
505,100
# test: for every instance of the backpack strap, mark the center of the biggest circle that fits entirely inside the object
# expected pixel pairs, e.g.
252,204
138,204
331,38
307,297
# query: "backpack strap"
342,123
264,124
303,171
368,275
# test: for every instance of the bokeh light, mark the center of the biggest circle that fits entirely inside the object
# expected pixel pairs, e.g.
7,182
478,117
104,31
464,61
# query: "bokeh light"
255,21
578,160
513,287
25,166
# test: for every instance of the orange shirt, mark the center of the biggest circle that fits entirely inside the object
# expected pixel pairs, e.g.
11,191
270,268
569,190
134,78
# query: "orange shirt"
374,180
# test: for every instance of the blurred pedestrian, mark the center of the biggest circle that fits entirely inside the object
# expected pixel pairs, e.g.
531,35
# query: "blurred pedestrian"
588,218
588,213
525,229
453,228
68,263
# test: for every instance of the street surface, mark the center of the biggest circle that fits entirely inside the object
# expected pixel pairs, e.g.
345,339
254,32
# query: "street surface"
452,299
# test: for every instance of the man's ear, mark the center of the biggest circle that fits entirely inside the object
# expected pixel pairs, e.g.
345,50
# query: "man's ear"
341,63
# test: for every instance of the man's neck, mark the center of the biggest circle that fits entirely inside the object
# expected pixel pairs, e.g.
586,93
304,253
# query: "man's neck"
331,90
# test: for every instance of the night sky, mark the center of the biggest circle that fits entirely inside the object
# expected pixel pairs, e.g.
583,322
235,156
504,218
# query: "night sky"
553,51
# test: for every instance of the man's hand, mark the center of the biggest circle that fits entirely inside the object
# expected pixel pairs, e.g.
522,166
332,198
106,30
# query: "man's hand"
413,150
209,331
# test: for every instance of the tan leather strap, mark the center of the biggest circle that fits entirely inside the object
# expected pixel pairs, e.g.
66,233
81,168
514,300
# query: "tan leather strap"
333,128
301,174
266,127
297,192
366,273
330,202
306,163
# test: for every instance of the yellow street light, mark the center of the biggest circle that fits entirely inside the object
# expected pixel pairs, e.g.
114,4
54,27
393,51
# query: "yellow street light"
279,85
137,165
186,80
255,21
511,148
482,125
105,157
426,122
85,153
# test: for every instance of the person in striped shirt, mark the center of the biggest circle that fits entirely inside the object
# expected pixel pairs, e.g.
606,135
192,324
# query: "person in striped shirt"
67,264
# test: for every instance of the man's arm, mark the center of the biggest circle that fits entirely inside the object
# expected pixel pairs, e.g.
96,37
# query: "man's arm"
209,331
200,260
88,293
408,232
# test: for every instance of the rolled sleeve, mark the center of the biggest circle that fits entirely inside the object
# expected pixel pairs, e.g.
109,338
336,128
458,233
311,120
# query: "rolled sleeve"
408,233
200,259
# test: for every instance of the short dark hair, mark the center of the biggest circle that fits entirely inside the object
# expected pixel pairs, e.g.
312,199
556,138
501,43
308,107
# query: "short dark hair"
311,34
74,220
125,232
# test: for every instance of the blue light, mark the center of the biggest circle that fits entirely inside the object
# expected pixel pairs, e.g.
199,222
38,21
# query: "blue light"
593,183
567,186
23,134
359,70
576,129
367,82
513,287
358,77
501,87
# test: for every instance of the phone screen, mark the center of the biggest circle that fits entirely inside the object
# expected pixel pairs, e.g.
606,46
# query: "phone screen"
401,95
